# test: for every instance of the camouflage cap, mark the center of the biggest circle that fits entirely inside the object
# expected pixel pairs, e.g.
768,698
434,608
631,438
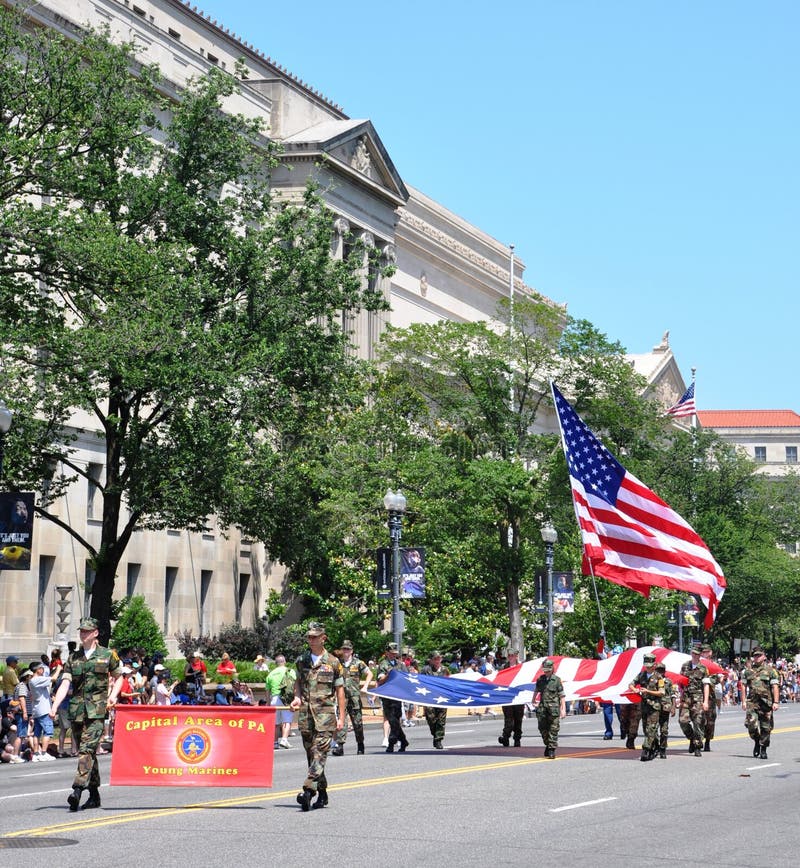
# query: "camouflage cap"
513,651
696,648
706,648
393,646
548,664
88,624
435,654
347,645
755,651
316,628
649,658
661,667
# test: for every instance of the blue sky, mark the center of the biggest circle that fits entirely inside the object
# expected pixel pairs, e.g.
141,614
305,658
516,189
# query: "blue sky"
641,156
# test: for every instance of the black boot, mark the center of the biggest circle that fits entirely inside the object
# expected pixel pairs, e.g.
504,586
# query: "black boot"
662,753
630,744
646,756
763,752
517,743
697,750
502,740
337,750
304,799
322,799
550,753
94,799
756,750
403,745
691,747
707,745
360,748
74,798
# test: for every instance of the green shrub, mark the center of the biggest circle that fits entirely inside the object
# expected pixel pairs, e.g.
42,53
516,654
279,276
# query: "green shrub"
137,628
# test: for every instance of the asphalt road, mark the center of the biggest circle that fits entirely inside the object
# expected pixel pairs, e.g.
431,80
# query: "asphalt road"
474,802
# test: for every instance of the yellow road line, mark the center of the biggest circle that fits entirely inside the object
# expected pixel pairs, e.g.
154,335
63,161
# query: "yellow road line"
238,801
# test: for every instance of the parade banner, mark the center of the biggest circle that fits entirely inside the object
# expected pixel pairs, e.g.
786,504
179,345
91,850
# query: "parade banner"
193,746
16,530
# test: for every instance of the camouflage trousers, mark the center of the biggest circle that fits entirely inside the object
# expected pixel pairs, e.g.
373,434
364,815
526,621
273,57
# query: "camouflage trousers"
692,719
711,718
317,745
629,717
663,729
354,713
512,721
87,735
549,725
650,715
436,719
759,722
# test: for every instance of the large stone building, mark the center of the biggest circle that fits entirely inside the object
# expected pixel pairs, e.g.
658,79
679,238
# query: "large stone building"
445,268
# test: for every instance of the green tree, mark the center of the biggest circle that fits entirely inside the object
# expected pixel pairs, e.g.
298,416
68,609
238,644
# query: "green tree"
454,420
153,288
137,628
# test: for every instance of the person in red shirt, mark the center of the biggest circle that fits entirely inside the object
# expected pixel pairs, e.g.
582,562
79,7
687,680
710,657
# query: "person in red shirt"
226,669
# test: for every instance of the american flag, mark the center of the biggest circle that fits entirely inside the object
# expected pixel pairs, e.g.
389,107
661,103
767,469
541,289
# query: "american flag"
606,680
684,407
451,692
630,536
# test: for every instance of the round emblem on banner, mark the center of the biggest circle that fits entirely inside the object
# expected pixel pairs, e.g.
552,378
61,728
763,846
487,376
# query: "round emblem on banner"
193,745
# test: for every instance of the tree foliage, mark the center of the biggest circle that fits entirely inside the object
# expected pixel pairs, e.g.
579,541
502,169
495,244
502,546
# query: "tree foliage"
154,288
137,628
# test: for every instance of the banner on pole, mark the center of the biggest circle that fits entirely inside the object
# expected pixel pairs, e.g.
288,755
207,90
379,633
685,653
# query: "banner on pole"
193,746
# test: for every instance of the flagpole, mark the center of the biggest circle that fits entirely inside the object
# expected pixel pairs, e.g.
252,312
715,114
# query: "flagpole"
577,518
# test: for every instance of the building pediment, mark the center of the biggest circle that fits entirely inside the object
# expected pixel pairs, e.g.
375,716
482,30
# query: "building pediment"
351,148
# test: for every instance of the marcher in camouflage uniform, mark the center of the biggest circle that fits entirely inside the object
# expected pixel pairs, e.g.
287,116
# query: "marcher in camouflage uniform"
550,705
320,698
357,676
392,708
512,714
629,717
88,670
436,717
650,687
695,701
761,698
667,708
707,656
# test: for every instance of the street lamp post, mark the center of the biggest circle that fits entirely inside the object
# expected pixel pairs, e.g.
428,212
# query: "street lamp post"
6,416
550,537
395,504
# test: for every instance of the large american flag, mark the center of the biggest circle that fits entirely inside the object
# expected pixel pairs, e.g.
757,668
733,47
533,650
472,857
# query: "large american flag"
605,680
684,407
630,536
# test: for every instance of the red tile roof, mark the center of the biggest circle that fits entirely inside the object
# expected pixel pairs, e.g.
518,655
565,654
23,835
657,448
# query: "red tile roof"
749,418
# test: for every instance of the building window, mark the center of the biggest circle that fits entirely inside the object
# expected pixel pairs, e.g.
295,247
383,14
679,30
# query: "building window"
46,565
761,454
94,473
791,455
205,587
132,579
170,577
241,596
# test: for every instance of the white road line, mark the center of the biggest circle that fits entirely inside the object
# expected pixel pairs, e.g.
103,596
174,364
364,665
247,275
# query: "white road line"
767,766
583,804
41,793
